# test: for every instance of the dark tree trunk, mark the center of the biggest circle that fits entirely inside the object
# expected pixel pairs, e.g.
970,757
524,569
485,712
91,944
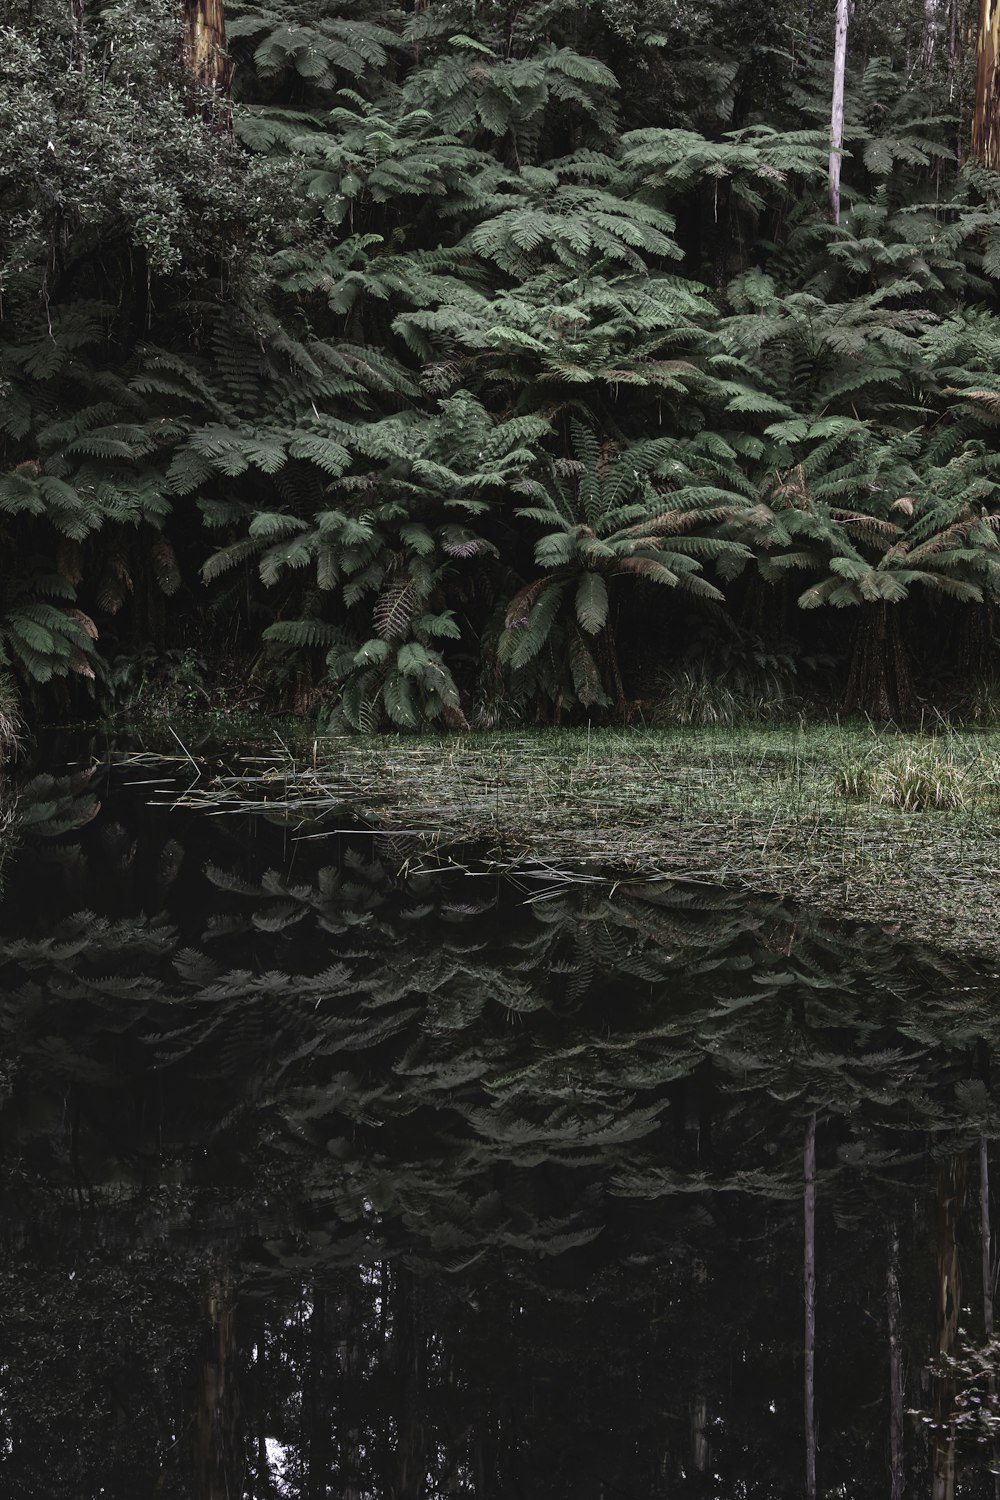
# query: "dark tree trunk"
880,682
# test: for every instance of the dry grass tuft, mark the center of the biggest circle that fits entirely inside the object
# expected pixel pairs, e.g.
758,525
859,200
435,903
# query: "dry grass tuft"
916,779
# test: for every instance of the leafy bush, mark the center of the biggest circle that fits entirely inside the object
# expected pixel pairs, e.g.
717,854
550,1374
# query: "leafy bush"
470,331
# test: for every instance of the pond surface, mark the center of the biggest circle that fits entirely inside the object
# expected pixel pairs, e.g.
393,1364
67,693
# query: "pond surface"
331,1172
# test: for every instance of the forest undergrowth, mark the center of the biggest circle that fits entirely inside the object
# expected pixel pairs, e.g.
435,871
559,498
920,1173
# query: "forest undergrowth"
481,367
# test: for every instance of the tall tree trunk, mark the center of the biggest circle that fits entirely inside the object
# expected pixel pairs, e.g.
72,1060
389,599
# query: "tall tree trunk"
880,680
986,112
951,1200
809,1292
79,34
897,1459
837,111
932,20
205,44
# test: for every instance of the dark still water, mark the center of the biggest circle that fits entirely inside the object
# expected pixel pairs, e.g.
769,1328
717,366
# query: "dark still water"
328,1176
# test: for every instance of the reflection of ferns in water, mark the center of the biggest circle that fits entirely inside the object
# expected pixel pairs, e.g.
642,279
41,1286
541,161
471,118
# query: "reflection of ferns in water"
394,1043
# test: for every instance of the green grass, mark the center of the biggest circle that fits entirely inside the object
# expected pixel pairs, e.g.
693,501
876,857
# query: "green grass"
808,813
919,778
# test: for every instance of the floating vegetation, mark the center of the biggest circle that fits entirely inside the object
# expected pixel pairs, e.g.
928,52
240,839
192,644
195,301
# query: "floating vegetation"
760,810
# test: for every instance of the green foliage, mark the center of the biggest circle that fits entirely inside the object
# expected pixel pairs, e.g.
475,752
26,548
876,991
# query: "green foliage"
728,679
472,329
609,514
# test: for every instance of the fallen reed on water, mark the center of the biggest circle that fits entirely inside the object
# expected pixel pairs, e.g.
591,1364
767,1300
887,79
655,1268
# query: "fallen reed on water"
766,809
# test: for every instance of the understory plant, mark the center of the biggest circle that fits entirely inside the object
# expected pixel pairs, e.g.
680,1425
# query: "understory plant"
414,365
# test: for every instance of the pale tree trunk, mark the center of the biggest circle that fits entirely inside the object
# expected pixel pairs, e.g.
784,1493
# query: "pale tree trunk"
837,112
986,112
897,1458
951,1200
809,1296
987,1266
985,1237
205,52
932,21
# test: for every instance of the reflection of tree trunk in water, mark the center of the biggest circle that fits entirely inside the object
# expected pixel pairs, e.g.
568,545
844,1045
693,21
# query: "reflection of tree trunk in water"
349,1435
809,1291
701,1452
511,1482
484,1463
411,1443
218,1456
985,1241
255,1405
316,1402
880,680
897,1469
951,1199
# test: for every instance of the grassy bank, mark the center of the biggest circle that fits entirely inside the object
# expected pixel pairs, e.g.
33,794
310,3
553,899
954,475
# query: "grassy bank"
892,827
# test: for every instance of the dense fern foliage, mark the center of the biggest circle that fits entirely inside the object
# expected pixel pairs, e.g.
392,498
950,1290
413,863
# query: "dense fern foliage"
498,364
